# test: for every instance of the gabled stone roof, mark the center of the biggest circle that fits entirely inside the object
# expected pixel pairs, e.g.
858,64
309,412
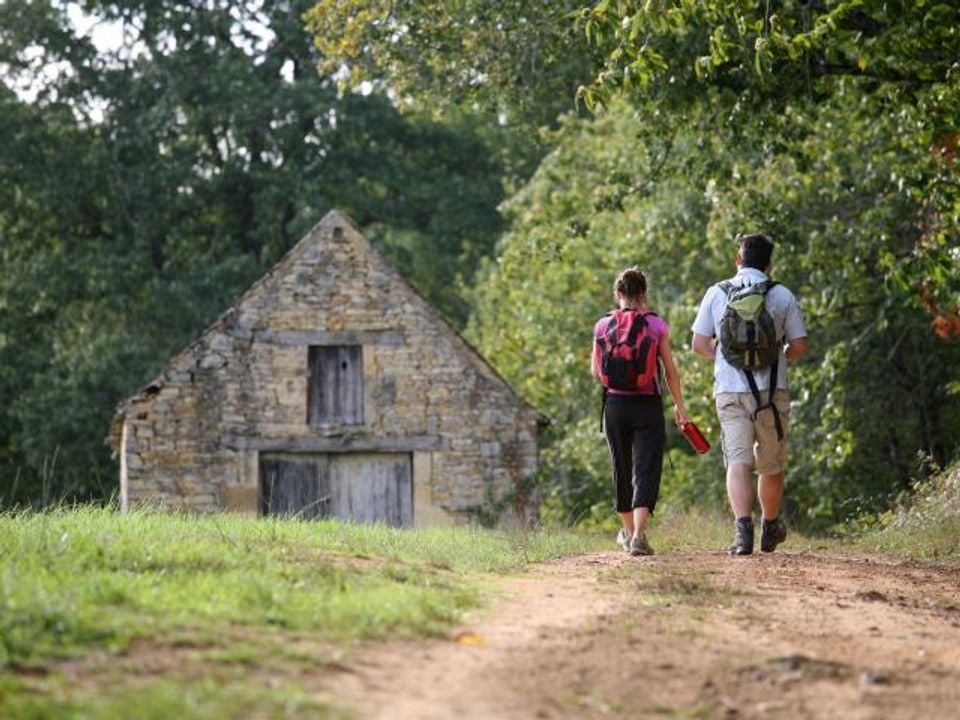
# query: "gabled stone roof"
333,221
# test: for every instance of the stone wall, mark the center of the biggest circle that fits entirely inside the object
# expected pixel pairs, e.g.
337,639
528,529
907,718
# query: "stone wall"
191,439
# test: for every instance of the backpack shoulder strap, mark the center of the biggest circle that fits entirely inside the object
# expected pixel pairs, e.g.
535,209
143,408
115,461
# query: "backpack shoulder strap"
601,340
727,287
611,333
638,324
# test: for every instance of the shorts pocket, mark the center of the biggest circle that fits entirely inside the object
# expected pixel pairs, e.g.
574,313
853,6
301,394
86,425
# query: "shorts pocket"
782,401
726,401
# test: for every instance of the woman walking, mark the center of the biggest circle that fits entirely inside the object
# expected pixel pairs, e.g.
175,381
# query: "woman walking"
630,344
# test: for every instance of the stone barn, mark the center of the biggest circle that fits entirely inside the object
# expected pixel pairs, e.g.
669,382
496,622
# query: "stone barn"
330,389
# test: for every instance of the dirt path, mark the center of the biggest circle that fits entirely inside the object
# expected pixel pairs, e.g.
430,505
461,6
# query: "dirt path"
685,635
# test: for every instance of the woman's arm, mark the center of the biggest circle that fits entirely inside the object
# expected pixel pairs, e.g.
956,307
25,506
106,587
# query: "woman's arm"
672,378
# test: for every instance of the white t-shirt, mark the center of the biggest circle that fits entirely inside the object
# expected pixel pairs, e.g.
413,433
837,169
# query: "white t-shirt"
787,318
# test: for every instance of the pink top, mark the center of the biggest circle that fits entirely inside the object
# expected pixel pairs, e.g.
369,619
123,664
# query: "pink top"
659,328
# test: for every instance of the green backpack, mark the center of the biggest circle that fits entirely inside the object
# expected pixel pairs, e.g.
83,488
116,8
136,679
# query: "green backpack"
748,339
748,336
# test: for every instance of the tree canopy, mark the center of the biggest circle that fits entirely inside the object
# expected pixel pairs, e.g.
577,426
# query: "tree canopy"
831,126
898,57
512,66
143,186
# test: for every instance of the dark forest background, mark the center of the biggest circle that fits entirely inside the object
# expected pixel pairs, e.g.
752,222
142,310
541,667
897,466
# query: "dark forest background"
510,156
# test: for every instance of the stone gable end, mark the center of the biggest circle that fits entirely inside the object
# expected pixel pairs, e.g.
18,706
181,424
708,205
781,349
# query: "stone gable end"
394,390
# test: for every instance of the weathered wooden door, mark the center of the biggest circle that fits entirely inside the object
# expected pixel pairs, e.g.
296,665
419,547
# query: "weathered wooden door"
335,385
367,487
294,485
372,488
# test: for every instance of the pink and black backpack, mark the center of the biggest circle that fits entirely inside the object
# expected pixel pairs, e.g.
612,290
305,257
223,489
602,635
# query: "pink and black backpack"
628,360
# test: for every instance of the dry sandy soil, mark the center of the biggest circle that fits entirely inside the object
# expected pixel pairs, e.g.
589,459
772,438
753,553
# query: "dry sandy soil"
684,635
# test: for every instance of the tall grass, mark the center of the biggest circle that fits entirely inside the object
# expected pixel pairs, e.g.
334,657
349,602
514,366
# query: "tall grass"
925,522
70,578
204,699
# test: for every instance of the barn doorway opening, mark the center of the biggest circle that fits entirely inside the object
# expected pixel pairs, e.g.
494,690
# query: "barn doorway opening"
366,487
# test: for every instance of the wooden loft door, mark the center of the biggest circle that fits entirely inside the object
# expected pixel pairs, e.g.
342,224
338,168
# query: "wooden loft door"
335,385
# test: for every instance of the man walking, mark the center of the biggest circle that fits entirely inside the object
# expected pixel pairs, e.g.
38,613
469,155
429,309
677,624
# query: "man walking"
759,329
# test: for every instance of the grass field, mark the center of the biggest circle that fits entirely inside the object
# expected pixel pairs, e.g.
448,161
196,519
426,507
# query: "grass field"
106,616
238,592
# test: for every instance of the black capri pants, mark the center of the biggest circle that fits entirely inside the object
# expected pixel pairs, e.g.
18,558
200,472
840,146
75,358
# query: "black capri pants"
636,435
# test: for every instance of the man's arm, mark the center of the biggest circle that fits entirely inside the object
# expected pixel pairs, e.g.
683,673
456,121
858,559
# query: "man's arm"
703,345
794,331
703,327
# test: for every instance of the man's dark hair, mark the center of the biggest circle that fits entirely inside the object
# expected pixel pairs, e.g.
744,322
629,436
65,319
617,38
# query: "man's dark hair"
756,251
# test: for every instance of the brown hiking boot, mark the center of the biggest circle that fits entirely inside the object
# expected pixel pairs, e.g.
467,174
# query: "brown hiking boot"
743,539
772,534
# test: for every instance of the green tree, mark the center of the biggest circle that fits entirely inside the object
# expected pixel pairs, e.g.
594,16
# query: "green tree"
509,67
781,46
143,188
634,187
900,57
615,192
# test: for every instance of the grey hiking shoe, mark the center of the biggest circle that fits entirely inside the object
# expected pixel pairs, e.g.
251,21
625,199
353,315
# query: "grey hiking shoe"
772,534
623,540
743,538
640,546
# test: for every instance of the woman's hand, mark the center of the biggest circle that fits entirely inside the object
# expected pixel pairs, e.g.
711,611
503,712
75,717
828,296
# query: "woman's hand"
681,416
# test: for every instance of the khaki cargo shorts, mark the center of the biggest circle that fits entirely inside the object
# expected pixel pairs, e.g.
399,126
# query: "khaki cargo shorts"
747,441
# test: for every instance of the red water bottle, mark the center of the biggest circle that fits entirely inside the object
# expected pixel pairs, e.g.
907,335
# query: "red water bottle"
695,437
